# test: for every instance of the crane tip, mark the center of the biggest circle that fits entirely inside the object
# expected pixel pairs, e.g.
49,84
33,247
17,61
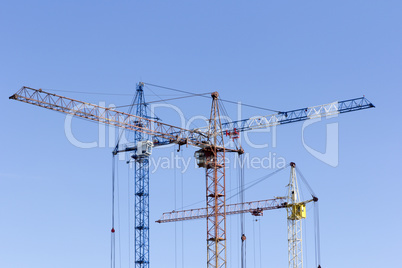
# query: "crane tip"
215,95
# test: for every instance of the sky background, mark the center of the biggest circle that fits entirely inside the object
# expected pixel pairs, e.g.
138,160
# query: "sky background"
55,198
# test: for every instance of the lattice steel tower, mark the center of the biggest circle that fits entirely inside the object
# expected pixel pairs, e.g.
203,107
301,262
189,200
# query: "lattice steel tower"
141,181
296,211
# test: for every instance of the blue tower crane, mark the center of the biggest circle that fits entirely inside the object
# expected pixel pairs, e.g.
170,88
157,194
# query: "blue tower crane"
142,149
141,181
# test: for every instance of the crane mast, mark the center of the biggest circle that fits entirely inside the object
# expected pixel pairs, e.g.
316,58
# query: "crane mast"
216,192
141,189
296,211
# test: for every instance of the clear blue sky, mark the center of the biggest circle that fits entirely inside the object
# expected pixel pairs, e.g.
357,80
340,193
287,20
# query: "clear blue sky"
55,198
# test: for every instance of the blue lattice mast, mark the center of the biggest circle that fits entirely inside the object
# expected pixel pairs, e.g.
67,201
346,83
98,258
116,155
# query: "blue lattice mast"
141,181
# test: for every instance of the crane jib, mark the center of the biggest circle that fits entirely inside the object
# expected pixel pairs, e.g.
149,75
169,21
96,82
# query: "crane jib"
171,134
292,116
109,116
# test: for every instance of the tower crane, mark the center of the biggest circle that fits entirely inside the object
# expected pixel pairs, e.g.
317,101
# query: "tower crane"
141,182
210,139
296,211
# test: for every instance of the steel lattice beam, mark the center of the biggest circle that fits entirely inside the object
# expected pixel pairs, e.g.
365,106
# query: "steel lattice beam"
293,116
294,220
141,190
109,116
231,209
216,192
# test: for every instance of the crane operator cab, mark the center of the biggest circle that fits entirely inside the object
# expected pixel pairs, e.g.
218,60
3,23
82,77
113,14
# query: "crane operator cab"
204,158
144,148
200,158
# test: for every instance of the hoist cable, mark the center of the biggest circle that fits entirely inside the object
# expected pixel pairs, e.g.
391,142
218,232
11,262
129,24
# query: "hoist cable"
315,236
112,239
251,106
175,207
228,101
151,112
169,88
167,103
129,204
118,208
317,242
225,116
121,132
317,233
242,215
259,227
96,93
257,181
304,225
254,250
230,218
182,203
305,182
91,93
249,185
163,100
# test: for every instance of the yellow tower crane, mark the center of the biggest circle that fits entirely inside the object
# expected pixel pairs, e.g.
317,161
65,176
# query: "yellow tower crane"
296,212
